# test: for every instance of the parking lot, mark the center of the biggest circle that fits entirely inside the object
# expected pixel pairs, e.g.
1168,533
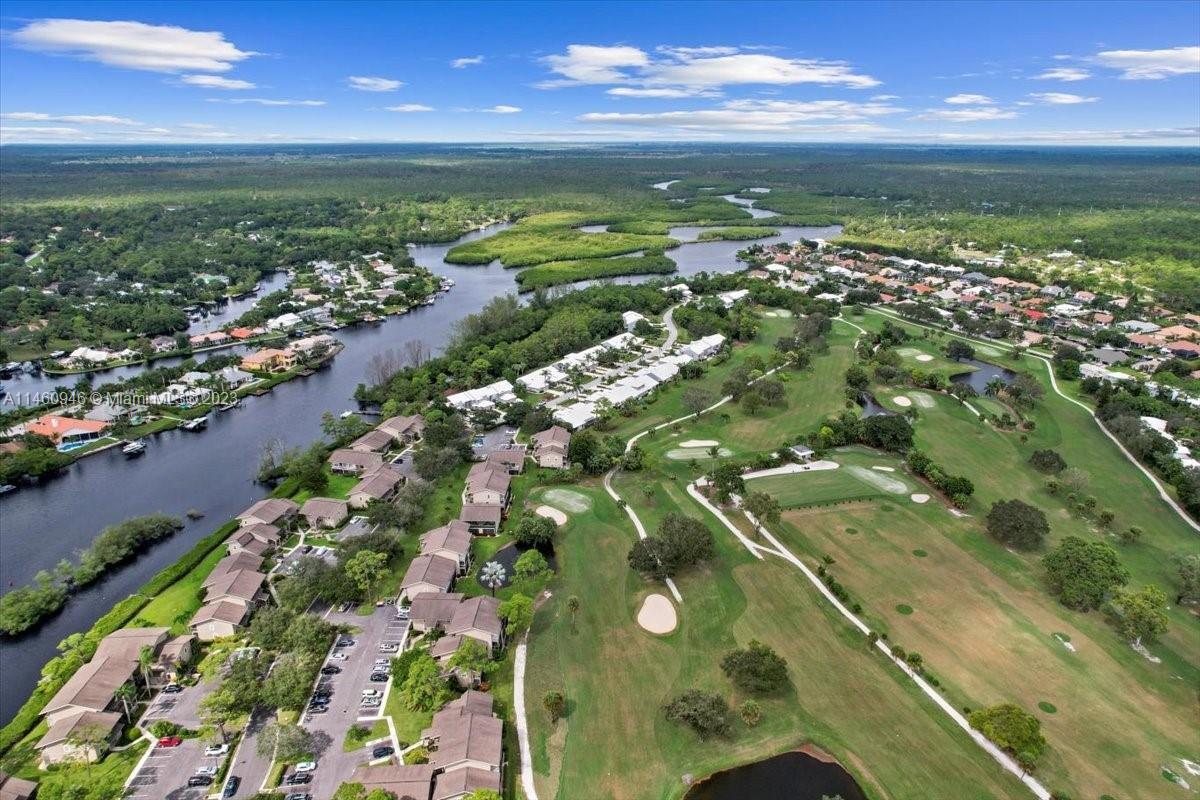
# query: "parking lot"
182,708
496,439
344,709
164,773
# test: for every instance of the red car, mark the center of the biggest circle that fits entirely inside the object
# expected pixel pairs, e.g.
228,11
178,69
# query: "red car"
170,741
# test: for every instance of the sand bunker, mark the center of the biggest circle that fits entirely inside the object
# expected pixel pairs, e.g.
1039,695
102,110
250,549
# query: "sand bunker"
884,469
657,615
922,399
920,498
902,401
699,443
571,501
890,485
697,453
549,512
924,357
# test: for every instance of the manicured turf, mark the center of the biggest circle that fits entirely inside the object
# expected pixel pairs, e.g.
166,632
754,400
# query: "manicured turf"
181,600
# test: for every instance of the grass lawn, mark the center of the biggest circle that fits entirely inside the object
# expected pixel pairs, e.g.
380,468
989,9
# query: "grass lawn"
616,676
359,735
855,479
338,487
179,601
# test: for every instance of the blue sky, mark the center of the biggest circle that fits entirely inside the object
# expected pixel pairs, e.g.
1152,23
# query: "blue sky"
1027,72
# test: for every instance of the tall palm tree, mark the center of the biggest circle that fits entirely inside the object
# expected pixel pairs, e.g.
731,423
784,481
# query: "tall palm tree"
145,660
125,693
492,576
713,452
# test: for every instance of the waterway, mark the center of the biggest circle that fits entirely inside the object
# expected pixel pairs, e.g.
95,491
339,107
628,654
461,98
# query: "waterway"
212,471
790,776
983,372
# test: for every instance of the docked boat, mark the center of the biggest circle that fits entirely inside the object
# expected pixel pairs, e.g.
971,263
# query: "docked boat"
232,404
135,448
197,424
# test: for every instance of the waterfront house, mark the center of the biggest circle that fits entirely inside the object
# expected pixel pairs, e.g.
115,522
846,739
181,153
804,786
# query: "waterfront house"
16,788
230,564
241,542
269,360
209,339
550,447
380,484
487,485
428,574
482,519
112,413
218,619
404,429
268,536
67,433
374,441
81,737
242,334
324,512
163,344
272,511
233,377
345,461
452,540
243,586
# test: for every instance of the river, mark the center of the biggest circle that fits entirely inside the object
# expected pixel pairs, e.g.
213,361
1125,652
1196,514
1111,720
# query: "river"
213,471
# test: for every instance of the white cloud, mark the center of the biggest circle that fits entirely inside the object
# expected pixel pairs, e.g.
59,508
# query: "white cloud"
198,126
693,70
408,108
368,84
882,97
966,114
78,119
133,45
1062,98
216,82
1152,65
467,61
758,116
9,133
501,109
969,100
661,92
1067,74
262,101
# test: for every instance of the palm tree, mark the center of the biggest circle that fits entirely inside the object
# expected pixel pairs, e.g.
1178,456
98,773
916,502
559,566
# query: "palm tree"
573,607
126,692
145,659
713,452
994,387
492,576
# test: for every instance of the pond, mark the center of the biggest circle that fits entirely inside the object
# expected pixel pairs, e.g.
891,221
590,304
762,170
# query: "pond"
871,406
982,373
507,557
789,776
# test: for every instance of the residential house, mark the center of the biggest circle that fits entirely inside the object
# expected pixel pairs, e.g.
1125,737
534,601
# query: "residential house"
1107,356
175,655
630,319
269,359
67,433
233,377
209,339
373,441
243,586
487,485
452,540
112,413
163,344
550,447
428,574
482,519
324,512
464,735
404,429
345,461
1180,332
409,781
231,564
1184,349
218,620
431,610
242,334
380,484
478,618
511,460
16,788
272,511
64,740
255,539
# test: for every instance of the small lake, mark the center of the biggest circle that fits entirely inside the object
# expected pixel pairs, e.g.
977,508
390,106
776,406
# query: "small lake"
979,377
871,406
507,557
789,776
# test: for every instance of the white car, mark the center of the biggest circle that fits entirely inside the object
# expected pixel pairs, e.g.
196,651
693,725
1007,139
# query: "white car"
370,693
207,771
389,648
216,750
339,657
402,613
370,702
305,766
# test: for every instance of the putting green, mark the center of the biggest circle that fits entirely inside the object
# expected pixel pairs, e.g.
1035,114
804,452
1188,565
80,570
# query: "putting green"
569,500
697,453
879,480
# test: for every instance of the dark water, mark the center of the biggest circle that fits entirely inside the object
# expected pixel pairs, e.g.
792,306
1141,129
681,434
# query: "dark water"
213,471
978,378
790,776
871,406
507,557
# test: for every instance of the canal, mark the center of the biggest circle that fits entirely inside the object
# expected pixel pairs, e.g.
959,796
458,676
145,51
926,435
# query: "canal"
213,471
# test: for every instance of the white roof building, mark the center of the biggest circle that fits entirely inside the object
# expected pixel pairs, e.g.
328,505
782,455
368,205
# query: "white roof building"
729,298
576,416
631,318
484,396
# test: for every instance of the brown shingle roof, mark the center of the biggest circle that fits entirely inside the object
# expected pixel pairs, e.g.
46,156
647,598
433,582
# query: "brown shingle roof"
481,512
62,730
464,731
454,537
241,585
461,782
477,613
434,608
554,434
377,484
93,685
270,511
405,781
230,564
372,441
221,610
364,461
434,570
485,477
399,426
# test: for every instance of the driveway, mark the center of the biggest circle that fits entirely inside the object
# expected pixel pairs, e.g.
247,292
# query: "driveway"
496,439
334,765
249,766
165,772
182,708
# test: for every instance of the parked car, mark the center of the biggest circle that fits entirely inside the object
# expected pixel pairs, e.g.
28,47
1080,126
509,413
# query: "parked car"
371,693
330,669
345,642
298,796
402,613
210,771
306,766
170,741
317,709
216,750
382,752
379,677
231,786
339,657
172,688
371,702
298,779
387,647
200,780
306,548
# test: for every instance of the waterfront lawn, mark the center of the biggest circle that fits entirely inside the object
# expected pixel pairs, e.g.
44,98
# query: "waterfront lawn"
549,237
988,635
337,487
176,604
617,676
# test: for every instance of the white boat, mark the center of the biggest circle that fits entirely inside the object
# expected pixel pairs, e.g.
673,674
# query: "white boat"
135,448
198,424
